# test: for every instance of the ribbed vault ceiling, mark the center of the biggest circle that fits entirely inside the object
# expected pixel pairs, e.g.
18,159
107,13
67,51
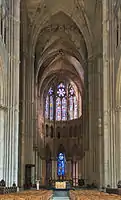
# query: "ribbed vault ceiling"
62,34
60,48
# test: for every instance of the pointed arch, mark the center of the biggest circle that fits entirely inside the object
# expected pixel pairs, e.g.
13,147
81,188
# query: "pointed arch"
85,29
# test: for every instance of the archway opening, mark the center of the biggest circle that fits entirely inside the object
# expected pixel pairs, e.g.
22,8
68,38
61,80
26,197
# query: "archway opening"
60,78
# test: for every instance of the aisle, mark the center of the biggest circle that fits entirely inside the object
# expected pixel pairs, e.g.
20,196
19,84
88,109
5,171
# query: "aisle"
60,195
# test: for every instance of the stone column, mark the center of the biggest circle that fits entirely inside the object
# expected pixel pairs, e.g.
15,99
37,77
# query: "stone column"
38,166
11,156
53,169
80,169
100,134
43,171
36,163
118,143
119,132
40,170
1,143
89,154
69,170
105,95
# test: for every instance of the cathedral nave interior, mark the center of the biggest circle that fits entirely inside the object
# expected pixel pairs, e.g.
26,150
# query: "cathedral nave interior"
60,92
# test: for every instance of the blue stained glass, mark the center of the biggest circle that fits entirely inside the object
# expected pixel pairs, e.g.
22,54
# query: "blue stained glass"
58,109
64,109
47,107
51,107
50,91
61,164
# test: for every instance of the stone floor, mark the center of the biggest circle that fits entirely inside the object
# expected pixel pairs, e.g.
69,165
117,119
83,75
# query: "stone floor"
60,195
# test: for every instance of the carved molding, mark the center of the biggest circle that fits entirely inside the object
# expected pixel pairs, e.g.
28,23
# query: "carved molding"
61,28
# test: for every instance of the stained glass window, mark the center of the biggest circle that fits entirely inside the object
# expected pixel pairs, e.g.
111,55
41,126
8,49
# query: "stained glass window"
64,109
75,108
61,85
47,107
61,90
61,164
50,91
51,107
58,109
71,91
71,109
61,103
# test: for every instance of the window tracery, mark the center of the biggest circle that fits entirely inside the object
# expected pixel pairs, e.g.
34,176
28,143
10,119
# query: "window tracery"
61,103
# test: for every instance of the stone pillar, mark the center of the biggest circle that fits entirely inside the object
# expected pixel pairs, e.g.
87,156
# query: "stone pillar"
2,144
80,169
43,172
40,170
69,170
36,163
105,95
89,155
100,134
11,142
119,133
53,170
77,175
118,143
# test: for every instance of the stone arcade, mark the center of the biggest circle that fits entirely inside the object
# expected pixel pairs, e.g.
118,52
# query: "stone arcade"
60,91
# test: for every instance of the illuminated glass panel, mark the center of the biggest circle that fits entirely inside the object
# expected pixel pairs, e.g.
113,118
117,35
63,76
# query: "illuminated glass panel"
61,108
61,90
58,109
47,107
61,85
61,164
50,91
75,108
64,109
71,107
51,107
71,91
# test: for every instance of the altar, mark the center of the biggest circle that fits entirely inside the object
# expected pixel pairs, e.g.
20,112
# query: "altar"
60,185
